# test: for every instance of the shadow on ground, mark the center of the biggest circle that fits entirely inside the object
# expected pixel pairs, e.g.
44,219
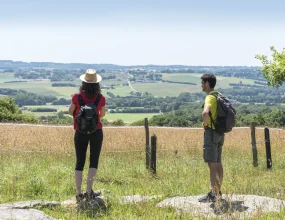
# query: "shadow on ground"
223,206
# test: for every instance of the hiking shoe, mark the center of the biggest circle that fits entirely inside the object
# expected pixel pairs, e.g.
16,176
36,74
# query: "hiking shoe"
79,197
92,195
210,197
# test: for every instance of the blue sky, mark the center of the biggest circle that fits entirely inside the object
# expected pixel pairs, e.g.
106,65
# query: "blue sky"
141,32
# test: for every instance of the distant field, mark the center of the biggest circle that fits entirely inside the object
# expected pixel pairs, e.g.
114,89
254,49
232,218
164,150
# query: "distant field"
183,77
222,82
157,89
165,89
128,117
58,107
44,87
4,77
121,91
39,114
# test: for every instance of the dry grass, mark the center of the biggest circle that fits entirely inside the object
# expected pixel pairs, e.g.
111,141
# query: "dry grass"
60,139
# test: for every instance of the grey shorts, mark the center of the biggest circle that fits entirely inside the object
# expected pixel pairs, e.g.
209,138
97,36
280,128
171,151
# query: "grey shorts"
212,148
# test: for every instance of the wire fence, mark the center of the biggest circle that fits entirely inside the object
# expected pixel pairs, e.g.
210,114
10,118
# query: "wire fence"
27,138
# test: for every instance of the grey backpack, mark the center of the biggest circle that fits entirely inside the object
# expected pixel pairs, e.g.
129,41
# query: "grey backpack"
87,118
226,114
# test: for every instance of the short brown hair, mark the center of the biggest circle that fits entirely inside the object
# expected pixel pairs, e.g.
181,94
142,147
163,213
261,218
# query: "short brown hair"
211,78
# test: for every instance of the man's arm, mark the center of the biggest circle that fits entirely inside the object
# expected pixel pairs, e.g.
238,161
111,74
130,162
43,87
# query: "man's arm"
205,115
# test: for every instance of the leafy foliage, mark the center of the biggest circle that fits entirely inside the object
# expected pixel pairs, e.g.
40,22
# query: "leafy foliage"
9,112
273,70
190,116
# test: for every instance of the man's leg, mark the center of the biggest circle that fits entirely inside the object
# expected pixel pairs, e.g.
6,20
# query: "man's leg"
219,164
221,175
214,177
212,156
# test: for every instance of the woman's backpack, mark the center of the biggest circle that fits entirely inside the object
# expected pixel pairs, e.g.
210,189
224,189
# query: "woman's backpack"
87,118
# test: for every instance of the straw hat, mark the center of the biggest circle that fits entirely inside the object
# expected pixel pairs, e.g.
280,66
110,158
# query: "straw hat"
91,76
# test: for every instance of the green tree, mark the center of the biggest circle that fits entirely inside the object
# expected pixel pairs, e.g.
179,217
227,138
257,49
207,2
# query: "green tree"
9,112
273,70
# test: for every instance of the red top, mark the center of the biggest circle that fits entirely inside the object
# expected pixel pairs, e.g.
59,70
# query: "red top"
86,100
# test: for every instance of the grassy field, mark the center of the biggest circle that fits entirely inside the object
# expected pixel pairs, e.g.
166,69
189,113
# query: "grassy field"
127,117
157,89
165,89
44,87
37,163
58,107
39,114
120,90
222,82
4,77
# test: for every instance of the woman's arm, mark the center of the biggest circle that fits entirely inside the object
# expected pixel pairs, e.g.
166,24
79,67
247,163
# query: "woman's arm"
102,111
71,109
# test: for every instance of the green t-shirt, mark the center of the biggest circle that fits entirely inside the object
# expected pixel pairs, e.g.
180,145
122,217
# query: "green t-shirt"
211,101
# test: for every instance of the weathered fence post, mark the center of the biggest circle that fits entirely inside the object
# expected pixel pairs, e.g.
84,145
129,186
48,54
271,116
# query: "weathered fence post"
147,148
153,153
268,148
253,143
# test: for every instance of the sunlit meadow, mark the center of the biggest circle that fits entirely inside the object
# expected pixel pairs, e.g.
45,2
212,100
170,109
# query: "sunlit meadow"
37,162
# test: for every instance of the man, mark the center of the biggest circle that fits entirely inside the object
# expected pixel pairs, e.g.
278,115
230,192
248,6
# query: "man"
213,141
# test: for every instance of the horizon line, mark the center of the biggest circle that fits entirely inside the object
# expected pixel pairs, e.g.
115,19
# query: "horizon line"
29,62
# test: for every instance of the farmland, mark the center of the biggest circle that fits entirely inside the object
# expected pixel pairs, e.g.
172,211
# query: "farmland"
170,85
157,89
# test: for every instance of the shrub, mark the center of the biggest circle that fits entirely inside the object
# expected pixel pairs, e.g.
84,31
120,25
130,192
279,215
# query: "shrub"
9,112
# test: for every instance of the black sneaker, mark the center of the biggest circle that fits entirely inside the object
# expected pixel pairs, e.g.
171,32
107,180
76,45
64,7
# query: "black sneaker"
80,197
210,197
92,195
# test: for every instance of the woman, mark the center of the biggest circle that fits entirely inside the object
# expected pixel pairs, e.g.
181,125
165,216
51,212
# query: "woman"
88,93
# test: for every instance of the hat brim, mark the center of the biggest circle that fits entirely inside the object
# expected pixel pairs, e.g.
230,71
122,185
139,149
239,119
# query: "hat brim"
99,79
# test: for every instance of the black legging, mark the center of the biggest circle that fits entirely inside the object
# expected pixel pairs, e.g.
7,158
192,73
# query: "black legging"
81,143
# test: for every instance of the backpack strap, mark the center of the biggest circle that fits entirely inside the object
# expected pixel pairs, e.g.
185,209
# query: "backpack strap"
216,94
97,99
80,100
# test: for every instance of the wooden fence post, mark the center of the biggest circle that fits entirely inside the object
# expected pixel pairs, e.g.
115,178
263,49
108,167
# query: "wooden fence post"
147,148
153,153
253,143
267,148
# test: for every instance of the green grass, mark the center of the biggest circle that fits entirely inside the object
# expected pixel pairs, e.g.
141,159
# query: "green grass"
222,81
157,89
119,90
127,117
183,77
4,77
50,176
58,107
39,114
165,89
